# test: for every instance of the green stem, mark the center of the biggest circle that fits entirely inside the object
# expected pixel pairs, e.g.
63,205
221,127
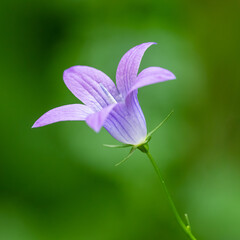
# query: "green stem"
185,228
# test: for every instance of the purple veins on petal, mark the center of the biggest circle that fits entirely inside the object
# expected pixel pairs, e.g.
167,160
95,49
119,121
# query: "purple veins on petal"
133,105
84,83
97,119
128,67
150,76
123,124
72,112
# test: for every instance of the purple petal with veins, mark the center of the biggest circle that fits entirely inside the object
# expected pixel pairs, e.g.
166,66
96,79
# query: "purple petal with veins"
150,76
85,83
97,119
72,112
124,124
128,67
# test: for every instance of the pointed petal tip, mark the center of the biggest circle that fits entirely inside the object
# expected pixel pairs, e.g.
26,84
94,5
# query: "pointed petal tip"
67,71
36,125
96,120
149,43
93,127
172,76
70,70
93,124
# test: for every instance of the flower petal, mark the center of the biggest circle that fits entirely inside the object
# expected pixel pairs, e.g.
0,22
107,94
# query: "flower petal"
84,83
72,112
126,123
97,119
133,106
150,76
128,67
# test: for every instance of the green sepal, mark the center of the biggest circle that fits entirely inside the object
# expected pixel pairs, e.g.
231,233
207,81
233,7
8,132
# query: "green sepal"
159,125
128,156
117,146
144,147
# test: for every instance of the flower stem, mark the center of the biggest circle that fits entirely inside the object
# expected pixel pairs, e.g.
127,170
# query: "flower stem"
185,228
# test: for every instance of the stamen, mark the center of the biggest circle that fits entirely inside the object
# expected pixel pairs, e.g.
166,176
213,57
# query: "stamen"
108,94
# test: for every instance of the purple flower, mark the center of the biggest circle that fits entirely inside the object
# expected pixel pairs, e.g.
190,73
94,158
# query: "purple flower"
115,108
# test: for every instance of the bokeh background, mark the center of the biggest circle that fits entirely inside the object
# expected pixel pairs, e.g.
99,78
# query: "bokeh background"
59,182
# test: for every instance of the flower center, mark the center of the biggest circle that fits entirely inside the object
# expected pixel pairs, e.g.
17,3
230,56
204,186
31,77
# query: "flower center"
110,99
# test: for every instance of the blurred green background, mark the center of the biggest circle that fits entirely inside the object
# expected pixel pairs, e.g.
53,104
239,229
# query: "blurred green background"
59,182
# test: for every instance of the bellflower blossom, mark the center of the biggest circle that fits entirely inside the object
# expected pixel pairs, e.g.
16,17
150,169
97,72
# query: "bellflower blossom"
116,108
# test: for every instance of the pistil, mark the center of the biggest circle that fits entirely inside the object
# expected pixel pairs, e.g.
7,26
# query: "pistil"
110,98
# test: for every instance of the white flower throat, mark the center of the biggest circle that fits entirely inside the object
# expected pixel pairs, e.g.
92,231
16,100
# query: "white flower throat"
110,98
